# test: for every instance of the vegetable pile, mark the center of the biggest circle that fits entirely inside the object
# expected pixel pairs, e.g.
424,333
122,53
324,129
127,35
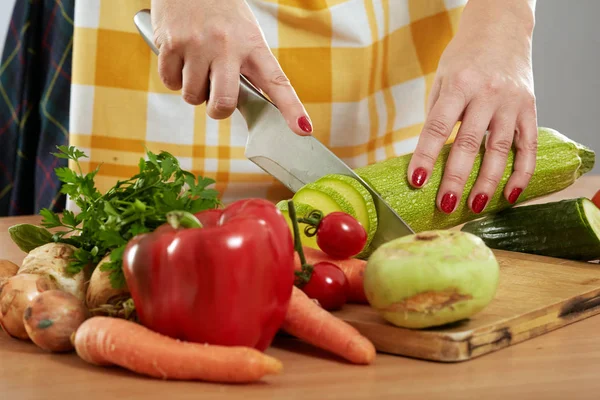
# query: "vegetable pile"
157,271
158,277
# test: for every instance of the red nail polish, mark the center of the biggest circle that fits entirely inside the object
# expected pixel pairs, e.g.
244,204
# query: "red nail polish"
479,203
304,124
419,176
448,203
514,195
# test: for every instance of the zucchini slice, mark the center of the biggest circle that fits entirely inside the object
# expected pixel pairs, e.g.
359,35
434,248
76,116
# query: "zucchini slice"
357,196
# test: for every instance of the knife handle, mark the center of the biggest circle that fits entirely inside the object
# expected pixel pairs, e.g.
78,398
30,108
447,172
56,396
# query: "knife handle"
249,98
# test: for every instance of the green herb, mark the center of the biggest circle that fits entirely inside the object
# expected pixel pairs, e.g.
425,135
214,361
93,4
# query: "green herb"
28,236
134,206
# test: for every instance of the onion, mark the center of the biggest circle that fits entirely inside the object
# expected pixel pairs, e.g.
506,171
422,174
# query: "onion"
52,317
15,295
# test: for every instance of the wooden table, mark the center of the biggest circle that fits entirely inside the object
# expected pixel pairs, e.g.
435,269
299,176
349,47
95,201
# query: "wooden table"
564,363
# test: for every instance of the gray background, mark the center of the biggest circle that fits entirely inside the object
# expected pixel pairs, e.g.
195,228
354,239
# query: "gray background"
566,63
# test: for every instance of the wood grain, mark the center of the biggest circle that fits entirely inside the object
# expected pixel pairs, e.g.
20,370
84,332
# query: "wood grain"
535,295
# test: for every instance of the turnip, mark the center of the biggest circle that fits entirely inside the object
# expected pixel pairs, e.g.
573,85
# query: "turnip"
52,317
7,269
431,278
51,260
15,295
100,291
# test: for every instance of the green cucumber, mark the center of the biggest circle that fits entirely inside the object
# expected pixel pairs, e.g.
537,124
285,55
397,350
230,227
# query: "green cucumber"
359,198
560,162
568,229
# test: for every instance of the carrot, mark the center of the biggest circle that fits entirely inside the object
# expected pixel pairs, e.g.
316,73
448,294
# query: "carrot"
353,268
309,322
109,341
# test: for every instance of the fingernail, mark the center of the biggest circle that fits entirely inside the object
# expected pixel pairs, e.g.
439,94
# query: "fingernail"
304,124
448,203
514,195
419,176
479,202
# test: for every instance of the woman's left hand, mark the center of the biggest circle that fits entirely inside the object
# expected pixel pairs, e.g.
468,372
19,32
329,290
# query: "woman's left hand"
484,79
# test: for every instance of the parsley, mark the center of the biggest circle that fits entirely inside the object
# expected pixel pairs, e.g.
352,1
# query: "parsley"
134,206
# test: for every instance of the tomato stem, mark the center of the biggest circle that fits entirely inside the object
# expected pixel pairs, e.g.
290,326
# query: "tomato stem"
312,221
183,219
306,271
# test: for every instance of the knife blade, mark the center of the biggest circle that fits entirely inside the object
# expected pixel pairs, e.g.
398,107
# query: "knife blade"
292,159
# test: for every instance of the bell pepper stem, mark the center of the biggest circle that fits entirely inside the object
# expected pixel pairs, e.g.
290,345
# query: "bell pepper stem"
306,269
182,219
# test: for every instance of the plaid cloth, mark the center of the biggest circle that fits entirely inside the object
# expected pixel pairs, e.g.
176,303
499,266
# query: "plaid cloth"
363,69
35,80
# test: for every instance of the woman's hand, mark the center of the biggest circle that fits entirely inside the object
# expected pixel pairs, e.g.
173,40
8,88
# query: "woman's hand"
216,40
484,79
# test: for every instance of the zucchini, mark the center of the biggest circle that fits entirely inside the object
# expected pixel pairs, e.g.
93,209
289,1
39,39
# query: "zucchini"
560,161
568,229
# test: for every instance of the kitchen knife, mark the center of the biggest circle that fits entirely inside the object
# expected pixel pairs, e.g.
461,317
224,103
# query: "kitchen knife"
292,159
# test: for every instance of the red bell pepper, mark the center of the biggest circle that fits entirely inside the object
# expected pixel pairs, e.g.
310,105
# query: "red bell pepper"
228,282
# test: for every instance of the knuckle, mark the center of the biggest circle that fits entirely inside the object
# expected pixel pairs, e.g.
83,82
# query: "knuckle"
500,146
224,104
171,42
527,174
530,100
468,142
461,82
218,33
169,82
425,156
192,98
455,178
530,146
491,179
494,84
256,39
526,143
437,128
278,78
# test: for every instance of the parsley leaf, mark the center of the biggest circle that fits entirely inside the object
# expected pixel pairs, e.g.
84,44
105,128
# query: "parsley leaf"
138,205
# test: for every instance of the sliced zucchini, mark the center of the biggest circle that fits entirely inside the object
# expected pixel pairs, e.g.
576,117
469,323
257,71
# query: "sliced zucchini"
323,199
358,196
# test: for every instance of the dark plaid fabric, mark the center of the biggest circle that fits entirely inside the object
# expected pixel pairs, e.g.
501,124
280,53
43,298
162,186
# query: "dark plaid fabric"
35,81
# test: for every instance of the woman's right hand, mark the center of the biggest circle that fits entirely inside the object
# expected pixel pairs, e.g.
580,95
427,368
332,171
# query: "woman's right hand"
216,40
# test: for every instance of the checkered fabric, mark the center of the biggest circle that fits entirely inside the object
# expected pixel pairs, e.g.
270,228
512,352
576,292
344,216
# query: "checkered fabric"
35,80
363,69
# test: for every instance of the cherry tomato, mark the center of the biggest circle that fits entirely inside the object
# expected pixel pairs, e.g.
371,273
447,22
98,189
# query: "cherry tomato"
596,199
328,285
340,235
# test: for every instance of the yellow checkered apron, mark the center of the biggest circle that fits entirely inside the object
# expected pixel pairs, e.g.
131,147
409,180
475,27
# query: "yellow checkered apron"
362,68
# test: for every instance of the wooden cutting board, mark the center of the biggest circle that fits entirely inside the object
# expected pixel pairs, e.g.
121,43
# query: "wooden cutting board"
535,295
